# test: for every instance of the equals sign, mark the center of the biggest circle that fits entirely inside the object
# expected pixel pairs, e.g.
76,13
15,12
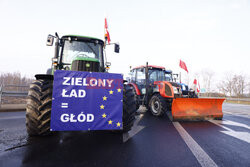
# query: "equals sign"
64,105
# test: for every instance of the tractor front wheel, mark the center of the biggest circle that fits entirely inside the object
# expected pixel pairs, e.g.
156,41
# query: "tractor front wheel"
38,110
157,105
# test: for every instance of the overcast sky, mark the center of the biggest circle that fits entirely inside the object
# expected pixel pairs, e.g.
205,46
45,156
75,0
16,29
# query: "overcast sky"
206,34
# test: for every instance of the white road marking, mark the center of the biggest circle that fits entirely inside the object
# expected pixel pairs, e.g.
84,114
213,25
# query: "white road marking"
244,136
228,122
135,129
237,112
13,117
245,115
202,157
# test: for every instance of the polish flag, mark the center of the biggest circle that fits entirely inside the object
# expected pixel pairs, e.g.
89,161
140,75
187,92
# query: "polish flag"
197,85
107,36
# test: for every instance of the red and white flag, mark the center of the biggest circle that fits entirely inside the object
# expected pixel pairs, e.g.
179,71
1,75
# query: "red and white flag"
107,36
183,65
197,85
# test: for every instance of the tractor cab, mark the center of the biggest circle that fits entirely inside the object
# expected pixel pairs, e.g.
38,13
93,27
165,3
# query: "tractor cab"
138,76
81,54
78,53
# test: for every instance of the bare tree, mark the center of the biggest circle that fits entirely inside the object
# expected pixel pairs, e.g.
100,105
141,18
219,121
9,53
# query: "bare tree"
228,83
14,79
238,85
233,84
222,88
248,85
207,75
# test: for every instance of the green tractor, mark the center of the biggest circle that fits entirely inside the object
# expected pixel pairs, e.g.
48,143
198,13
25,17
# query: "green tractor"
75,53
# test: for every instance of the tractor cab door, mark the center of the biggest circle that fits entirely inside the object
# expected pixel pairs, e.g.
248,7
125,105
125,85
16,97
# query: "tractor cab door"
155,75
138,78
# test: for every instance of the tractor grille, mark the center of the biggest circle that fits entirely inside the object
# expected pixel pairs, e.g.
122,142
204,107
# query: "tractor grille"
80,65
168,90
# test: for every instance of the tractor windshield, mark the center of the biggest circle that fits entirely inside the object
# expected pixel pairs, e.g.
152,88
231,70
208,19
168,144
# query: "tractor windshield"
76,49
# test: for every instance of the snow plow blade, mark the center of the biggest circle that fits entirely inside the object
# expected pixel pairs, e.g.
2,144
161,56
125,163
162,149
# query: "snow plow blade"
196,109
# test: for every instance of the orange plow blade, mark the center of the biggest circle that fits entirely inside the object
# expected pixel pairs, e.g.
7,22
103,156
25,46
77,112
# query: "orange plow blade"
196,109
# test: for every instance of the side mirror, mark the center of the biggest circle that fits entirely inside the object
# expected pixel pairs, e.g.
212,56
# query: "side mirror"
117,48
50,40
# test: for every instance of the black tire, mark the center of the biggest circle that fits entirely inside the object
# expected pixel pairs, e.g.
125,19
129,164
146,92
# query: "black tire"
38,110
137,105
157,105
129,108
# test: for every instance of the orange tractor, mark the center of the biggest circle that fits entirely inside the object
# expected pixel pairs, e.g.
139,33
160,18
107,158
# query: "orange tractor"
162,95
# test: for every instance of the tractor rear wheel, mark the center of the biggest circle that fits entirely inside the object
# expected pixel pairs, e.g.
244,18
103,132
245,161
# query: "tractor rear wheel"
136,98
157,105
38,110
129,108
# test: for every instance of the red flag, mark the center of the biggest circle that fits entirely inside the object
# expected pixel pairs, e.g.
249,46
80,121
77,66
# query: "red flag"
198,88
197,85
195,81
106,24
183,65
107,36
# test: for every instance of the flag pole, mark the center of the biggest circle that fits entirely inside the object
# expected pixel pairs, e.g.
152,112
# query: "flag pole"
180,77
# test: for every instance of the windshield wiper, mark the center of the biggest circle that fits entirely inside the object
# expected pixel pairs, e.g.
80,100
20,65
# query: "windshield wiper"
92,49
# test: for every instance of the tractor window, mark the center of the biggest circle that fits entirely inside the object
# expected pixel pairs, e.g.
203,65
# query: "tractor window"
156,75
132,75
140,78
152,76
80,49
161,75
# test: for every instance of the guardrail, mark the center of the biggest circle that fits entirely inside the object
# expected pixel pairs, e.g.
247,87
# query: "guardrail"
234,99
6,93
239,99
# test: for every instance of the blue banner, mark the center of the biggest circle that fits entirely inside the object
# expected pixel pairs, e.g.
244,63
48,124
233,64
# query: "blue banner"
86,101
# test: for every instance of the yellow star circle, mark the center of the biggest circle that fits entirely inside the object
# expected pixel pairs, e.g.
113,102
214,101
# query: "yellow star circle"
104,115
111,92
118,124
110,122
102,107
119,90
104,98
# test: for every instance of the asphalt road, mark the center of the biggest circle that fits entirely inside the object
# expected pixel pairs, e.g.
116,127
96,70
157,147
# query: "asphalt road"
152,142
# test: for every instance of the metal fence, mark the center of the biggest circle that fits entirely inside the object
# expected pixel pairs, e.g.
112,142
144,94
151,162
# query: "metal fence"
13,91
238,99
230,98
